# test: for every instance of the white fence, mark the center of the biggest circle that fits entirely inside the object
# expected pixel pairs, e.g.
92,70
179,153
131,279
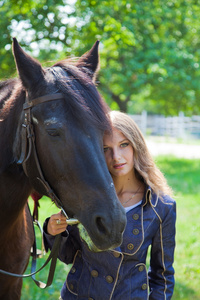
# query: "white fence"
178,126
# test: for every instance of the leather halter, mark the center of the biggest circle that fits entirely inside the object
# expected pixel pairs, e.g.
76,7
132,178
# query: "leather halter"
28,147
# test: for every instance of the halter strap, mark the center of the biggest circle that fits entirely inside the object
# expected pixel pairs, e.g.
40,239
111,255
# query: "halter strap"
28,146
42,99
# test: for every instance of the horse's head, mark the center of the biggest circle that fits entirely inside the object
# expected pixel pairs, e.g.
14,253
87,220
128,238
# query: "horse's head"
68,138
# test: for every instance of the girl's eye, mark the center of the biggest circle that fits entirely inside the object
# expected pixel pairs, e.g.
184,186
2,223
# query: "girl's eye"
123,145
105,149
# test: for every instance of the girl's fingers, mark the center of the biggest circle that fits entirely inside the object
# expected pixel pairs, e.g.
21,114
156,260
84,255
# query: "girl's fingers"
57,224
58,216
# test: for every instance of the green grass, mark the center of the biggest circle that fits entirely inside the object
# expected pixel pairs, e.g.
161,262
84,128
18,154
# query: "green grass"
183,176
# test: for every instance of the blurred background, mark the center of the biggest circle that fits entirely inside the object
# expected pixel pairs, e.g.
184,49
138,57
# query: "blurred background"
150,50
150,56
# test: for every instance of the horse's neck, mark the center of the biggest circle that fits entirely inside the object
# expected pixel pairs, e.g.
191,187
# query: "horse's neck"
15,189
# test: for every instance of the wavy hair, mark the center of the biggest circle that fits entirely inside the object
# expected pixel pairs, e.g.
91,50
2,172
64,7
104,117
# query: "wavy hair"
145,167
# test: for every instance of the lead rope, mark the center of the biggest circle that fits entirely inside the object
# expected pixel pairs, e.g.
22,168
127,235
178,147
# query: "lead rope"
52,256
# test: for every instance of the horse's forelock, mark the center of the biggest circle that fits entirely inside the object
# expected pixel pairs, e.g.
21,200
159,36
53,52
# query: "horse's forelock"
83,99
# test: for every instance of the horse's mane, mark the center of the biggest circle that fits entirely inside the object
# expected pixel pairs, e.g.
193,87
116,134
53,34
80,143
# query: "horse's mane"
11,101
6,88
83,99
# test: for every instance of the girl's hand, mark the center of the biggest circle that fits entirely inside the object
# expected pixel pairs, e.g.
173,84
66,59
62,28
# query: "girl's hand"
57,224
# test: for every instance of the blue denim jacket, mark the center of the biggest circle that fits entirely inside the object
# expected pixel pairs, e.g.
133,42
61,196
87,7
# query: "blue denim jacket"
122,273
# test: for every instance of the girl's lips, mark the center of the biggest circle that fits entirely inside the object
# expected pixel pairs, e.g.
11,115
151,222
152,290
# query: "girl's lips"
118,166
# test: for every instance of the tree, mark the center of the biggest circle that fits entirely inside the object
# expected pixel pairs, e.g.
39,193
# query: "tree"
40,27
149,49
150,55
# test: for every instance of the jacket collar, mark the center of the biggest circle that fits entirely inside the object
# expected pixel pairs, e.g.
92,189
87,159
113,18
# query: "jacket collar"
149,197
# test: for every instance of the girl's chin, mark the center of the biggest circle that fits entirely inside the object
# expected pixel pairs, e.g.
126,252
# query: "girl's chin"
118,173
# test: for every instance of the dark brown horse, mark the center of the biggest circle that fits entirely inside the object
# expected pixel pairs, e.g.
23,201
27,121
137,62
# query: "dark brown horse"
67,135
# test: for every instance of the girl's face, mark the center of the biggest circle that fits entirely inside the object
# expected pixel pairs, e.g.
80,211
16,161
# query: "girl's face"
118,153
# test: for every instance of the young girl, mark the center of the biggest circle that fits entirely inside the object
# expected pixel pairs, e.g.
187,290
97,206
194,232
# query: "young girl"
121,273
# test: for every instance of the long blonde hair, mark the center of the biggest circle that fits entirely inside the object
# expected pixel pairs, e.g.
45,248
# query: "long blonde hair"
145,167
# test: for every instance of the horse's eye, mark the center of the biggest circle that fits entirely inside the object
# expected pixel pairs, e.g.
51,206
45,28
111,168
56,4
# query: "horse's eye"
53,132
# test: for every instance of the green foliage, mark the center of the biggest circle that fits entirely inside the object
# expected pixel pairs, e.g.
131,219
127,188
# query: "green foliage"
183,176
149,49
39,26
150,52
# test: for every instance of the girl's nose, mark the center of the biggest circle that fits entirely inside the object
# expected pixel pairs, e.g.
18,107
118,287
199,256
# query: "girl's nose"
116,155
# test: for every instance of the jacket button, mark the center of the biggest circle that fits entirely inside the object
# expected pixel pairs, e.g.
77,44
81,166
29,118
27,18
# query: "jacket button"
135,231
144,286
90,298
116,254
109,279
130,246
73,270
141,268
94,273
71,286
135,217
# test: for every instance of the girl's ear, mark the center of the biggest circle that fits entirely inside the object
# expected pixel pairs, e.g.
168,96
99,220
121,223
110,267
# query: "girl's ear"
30,70
89,62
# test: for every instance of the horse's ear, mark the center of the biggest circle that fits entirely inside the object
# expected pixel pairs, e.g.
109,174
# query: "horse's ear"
29,69
89,62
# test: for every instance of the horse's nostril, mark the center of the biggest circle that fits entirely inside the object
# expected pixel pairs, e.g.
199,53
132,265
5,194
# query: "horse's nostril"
100,225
